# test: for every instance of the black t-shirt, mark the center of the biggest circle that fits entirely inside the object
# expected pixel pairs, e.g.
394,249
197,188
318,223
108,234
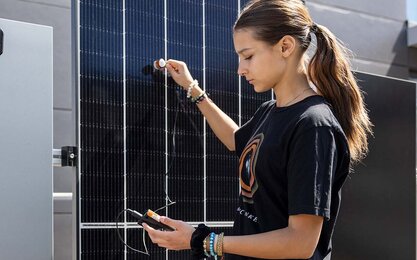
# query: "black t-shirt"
293,160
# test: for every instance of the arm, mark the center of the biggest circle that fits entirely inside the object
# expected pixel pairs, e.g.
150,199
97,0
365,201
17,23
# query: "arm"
298,240
221,124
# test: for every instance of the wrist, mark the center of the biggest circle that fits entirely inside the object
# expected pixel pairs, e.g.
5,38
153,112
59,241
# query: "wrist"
197,91
194,90
191,87
200,98
187,84
196,242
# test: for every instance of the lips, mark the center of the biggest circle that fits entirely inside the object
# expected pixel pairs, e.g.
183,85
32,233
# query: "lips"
250,81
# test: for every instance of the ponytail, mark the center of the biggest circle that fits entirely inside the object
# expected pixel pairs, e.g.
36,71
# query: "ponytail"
330,71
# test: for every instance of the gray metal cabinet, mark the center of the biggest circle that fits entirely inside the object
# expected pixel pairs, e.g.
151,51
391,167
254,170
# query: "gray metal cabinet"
26,206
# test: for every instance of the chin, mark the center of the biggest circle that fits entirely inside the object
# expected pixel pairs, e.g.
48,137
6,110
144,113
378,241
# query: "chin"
260,89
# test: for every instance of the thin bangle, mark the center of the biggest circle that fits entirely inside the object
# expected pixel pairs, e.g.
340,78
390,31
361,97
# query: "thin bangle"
219,244
206,243
203,95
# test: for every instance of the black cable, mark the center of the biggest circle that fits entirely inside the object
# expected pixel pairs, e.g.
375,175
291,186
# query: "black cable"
121,239
170,202
174,154
174,150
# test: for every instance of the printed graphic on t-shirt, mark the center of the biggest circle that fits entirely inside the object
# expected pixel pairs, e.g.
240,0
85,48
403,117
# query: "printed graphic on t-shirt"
247,165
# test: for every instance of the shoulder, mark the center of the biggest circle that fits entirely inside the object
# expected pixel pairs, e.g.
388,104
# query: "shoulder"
263,109
267,105
317,112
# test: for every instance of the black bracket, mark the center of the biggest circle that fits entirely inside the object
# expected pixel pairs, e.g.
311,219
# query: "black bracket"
69,156
1,42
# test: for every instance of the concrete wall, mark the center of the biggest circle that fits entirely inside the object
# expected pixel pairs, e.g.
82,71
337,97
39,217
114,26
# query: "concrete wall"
374,30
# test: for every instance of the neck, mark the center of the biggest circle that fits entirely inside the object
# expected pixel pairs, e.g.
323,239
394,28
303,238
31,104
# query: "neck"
292,87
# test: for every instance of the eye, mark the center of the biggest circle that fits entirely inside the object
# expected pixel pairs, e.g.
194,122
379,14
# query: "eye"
248,58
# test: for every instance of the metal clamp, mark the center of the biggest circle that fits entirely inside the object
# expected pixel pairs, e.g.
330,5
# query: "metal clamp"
1,42
66,156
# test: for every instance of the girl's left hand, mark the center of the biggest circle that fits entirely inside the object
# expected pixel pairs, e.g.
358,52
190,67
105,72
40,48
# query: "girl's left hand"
173,240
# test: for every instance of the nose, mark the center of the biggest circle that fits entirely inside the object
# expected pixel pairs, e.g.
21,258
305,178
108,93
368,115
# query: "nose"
242,70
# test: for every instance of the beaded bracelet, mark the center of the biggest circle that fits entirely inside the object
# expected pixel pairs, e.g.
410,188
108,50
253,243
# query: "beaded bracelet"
219,244
213,245
212,237
190,87
206,242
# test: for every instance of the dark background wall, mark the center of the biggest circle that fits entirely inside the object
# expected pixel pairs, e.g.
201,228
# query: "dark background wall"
377,216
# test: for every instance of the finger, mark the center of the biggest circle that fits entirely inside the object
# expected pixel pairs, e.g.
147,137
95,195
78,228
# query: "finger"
171,68
175,64
170,222
147,227
153,234
150,230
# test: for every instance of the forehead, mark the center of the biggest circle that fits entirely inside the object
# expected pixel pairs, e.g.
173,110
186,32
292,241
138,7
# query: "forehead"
244,39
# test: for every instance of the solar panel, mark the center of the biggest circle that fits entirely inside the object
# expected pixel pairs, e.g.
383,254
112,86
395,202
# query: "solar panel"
138,136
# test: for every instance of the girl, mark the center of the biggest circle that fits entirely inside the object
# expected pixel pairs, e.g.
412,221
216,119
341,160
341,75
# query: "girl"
295,152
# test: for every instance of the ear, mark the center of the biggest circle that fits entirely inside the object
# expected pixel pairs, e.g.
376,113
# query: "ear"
286,45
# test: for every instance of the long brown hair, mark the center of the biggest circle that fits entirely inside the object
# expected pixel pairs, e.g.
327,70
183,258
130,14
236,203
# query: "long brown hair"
329,69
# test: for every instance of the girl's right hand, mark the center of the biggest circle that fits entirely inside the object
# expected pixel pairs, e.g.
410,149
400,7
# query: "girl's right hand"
179,72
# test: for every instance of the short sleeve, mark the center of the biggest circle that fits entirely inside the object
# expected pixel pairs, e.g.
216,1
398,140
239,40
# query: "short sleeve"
242,136
244,133
312,163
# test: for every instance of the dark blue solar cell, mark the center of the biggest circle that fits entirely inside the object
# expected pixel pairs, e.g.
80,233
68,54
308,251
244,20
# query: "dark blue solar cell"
243,3
223,84
220,17
139,133
185,179
101,244
220,4
135,237
101,16
145,124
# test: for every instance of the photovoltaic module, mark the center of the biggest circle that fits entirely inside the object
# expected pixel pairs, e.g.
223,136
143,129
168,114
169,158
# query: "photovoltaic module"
139,137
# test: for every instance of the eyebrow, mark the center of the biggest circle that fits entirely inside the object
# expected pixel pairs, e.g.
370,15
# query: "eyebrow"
242,50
